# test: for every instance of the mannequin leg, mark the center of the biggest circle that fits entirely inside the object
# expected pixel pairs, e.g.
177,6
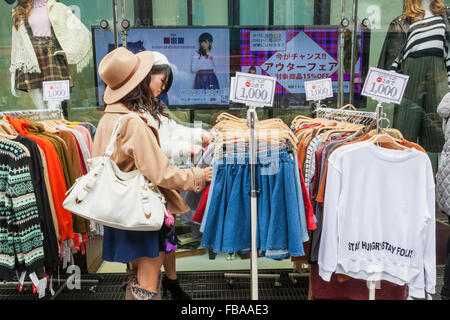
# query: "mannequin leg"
54,105
38,98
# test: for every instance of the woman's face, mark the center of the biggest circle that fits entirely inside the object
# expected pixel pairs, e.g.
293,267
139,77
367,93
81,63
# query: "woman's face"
157,83
205,44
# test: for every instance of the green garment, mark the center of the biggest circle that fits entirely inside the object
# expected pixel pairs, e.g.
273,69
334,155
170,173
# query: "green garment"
416,116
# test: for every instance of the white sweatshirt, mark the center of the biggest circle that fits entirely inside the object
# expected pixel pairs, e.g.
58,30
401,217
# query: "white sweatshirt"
176,139
379,217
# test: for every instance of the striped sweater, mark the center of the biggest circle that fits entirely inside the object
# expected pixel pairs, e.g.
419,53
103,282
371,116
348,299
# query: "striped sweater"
426,37
21,245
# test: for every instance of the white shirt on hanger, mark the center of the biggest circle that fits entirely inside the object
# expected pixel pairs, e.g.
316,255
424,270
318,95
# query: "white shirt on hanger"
379,217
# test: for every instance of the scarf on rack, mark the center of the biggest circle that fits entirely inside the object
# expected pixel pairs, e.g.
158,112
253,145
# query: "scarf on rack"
73,36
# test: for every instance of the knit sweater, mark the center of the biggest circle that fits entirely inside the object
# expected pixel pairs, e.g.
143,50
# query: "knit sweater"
20,231
426,38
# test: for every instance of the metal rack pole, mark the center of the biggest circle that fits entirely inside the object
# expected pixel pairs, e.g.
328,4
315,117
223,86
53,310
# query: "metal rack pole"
353,54
251,120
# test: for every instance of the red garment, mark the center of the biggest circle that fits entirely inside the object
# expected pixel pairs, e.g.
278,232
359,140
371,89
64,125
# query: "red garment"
352,289
198,216
309,126
56,177
309,211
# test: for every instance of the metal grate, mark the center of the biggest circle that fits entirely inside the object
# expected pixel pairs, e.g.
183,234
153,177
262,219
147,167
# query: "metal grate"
199,285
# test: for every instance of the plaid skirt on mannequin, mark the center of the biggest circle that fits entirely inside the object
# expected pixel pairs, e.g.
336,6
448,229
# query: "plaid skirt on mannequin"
53,68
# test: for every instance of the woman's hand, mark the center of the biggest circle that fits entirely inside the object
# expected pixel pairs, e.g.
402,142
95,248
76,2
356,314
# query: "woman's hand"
208,174
195,150
206,136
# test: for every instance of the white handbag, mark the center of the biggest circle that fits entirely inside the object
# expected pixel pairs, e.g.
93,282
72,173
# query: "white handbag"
122,200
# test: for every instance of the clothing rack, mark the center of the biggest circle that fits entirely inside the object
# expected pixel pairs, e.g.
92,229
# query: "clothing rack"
44,114
355,116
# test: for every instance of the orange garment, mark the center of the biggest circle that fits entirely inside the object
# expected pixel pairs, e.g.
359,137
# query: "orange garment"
57,182
321,193
302,148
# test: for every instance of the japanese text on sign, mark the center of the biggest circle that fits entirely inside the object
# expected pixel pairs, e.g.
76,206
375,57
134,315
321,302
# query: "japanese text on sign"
385,86
253,89
268,40
302,60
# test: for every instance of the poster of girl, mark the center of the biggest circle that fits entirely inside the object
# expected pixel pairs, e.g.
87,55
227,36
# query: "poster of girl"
202,63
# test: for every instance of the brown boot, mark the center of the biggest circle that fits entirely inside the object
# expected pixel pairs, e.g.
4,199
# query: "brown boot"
132,275
140,293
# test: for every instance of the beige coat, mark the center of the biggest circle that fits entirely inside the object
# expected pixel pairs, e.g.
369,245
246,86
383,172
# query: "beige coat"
138,147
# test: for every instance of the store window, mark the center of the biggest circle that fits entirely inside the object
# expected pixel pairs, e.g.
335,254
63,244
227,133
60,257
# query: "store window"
170,13
291,12
306,42
210,12
254,12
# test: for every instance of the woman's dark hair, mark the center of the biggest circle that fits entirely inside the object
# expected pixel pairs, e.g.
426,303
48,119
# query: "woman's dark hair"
203,37
141,98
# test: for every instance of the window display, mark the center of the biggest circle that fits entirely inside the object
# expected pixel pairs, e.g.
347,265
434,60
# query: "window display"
195,48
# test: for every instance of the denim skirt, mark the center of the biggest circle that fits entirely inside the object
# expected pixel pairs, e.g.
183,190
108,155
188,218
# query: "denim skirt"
228,218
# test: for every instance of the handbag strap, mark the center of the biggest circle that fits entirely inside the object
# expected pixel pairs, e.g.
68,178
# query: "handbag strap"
112,142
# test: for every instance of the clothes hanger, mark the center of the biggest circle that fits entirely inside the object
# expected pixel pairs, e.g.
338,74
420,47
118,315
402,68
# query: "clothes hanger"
348,106
388,139
330,132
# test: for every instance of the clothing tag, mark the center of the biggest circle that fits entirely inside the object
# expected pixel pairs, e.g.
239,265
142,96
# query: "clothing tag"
42,285
65,254
35,281
76,240
51,286
22,280
61,246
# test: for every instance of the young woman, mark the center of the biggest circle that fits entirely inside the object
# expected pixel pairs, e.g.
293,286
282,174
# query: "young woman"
202,63
133,82
178,143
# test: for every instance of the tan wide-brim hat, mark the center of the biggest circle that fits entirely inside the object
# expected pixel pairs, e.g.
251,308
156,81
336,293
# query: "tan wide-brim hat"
122,71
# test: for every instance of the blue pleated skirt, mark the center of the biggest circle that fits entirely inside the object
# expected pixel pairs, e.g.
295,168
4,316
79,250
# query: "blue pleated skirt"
228,218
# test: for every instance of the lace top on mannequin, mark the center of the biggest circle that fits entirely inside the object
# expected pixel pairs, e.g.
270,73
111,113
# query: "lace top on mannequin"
39,20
